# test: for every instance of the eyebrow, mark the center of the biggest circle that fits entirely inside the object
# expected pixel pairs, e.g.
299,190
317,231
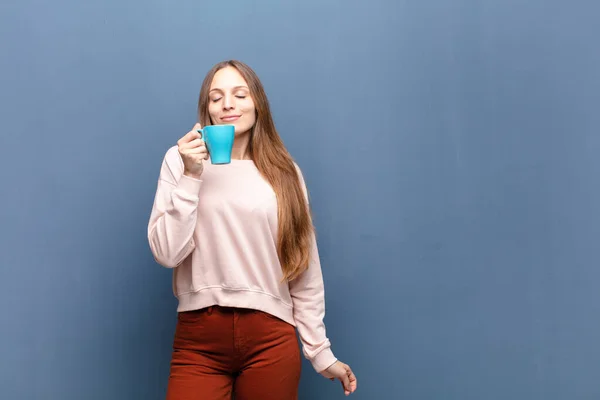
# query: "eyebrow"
234,88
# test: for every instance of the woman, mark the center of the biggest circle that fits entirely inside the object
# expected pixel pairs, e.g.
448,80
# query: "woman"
240,241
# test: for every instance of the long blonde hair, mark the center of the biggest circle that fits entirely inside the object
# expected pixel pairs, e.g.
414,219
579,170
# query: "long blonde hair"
295,227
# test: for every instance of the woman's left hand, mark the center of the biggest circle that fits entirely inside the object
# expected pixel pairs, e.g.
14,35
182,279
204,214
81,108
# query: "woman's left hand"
341,371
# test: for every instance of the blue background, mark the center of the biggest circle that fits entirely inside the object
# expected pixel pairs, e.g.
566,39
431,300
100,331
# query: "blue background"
450,147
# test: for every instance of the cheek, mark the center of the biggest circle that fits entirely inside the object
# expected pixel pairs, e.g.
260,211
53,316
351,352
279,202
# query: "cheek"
213,111
247,104
249,110
248,120
250,117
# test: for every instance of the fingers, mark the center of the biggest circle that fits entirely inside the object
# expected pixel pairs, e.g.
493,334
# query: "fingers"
194,147
348,380
344,373
198,151
351,378
188,138
346,384
191,135
194,144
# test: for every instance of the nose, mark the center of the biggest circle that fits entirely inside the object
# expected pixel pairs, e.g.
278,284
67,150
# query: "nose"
228,102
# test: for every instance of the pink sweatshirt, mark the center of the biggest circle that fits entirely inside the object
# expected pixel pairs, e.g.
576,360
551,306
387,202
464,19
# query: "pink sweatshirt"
219,234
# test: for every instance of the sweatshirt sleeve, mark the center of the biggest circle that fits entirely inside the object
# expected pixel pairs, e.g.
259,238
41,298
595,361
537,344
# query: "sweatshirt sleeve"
174,213
308,297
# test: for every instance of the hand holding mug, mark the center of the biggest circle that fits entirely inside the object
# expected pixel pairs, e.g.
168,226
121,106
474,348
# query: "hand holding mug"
192,150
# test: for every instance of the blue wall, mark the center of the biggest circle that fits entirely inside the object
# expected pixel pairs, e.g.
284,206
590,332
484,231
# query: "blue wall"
451,149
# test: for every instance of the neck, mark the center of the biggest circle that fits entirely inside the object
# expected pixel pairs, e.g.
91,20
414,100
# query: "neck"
241,146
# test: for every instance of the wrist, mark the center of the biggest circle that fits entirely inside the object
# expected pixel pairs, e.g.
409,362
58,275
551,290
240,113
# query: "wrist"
193,175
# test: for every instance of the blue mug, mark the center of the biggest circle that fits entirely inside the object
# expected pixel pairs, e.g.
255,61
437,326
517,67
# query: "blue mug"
219,142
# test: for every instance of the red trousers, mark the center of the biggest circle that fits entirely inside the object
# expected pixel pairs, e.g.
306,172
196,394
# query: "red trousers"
223,352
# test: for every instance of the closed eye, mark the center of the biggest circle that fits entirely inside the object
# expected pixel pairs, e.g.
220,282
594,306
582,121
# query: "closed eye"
219,98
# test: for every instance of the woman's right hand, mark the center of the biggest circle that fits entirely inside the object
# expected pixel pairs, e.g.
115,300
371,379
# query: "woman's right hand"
192,150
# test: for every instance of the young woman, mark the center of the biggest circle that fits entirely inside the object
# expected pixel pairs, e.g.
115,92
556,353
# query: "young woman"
239,238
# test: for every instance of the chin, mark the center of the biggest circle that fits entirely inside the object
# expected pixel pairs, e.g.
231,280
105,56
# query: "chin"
242,129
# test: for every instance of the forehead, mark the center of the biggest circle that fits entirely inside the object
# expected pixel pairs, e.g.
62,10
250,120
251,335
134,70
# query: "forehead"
226,78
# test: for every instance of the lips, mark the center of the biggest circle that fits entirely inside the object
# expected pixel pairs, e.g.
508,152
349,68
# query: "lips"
230,118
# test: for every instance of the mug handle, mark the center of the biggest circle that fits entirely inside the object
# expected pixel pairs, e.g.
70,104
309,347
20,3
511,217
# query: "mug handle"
203,136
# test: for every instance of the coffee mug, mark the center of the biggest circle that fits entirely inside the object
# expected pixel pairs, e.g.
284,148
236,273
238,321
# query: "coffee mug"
219,142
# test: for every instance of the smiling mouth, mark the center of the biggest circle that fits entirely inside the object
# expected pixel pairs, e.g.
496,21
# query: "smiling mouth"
230,118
